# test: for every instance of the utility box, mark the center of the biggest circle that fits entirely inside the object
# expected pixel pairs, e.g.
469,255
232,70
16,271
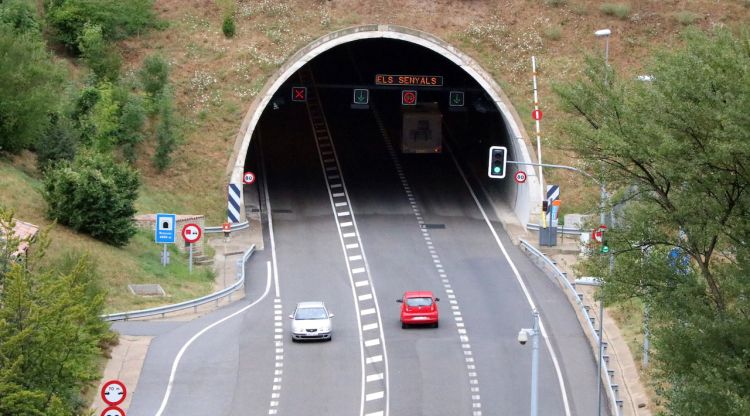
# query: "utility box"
548,236
422,129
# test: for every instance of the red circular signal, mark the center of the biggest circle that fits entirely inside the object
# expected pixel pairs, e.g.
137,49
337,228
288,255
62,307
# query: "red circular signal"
536,114
408,97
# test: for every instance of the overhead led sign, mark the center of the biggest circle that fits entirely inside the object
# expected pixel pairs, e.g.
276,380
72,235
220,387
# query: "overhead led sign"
410,80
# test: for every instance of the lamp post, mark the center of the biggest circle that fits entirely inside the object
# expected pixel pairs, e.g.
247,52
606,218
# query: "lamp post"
602,216
523,337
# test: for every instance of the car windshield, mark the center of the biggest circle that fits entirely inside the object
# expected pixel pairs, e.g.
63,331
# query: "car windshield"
419,301
310,313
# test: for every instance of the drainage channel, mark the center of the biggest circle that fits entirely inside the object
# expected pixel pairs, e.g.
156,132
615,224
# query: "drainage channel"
468,355
374,398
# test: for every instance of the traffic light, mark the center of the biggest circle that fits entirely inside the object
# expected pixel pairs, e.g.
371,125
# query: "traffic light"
605,247
498,160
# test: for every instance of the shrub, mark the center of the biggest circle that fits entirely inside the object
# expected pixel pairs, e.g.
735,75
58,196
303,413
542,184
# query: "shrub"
100,57
553,32
620,10
118,19
166,135
30,84
228,27
20,15
556,3
686,17
58,144
154,75
94,195
131,125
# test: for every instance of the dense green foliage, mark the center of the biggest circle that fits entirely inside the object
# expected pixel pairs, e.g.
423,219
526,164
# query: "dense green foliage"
58,143
94,195
30,80
228,27
50,334
98,54
117,19
166,132
678,150
154,75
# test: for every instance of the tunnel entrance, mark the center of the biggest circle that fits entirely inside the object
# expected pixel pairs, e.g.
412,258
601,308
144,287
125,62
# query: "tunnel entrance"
379,77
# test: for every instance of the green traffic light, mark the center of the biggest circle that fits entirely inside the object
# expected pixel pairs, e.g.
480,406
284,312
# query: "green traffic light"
496,169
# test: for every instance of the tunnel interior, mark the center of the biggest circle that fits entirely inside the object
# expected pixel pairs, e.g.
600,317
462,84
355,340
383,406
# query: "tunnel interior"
333,76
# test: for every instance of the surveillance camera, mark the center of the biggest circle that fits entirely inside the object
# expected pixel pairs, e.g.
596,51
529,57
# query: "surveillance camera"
523,337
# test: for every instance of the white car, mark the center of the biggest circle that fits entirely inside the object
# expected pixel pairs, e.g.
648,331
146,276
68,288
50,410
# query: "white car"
311,320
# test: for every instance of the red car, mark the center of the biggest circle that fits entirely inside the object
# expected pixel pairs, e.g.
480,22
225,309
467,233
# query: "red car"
419,308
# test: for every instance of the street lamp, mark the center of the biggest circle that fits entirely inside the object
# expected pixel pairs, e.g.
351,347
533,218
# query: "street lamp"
602,216
523,336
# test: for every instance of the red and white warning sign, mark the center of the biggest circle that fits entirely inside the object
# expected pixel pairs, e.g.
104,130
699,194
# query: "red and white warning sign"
113,411
113,392
191,233
598,234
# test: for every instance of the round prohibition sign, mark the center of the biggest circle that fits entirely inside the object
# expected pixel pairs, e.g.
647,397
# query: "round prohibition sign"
248,178
113,411
113,392
520,176
536,115
191,233
409,97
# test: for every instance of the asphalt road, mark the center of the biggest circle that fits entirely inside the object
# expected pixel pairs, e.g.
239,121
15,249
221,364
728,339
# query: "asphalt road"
417,226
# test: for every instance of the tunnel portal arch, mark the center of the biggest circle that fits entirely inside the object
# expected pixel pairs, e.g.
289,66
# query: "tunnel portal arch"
526,197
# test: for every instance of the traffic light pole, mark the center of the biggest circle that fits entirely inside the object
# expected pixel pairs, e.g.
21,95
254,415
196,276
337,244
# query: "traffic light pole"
604,201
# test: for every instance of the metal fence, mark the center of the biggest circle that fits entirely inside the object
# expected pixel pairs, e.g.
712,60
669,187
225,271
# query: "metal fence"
615,404
235,227
194,303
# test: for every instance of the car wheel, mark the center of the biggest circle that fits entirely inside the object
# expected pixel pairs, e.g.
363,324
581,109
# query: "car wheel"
435,325
403,325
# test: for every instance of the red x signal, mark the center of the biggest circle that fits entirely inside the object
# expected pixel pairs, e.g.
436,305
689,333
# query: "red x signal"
299,93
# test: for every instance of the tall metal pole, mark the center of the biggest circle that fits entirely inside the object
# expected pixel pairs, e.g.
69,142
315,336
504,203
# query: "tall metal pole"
603,202
542,193
535,364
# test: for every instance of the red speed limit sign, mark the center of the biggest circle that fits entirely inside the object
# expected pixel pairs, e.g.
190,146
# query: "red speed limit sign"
248,178
113,392
520,176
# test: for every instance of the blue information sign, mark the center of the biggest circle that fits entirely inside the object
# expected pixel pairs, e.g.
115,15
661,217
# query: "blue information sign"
165,225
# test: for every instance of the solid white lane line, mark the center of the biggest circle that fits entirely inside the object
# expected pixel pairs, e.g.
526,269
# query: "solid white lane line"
184,348
517,274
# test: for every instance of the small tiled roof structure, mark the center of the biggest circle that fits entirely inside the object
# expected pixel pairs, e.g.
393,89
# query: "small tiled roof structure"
24,231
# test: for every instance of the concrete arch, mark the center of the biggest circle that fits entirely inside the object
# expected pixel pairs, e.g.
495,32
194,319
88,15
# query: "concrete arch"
526,197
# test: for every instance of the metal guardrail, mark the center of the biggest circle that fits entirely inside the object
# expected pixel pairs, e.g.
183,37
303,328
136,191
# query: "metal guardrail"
612,389
561,230
235,227
194,303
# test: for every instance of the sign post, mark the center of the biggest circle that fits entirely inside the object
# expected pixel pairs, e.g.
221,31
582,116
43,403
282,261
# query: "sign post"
165,225
191,233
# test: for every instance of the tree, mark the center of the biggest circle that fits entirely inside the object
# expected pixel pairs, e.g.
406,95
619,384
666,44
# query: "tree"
57,144
117,19
166,134
30,82
154,76
94,195
131,125
50,335
103,60
678,149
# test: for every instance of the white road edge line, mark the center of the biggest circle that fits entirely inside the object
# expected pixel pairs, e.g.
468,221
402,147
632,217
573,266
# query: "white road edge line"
203,331
552,353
